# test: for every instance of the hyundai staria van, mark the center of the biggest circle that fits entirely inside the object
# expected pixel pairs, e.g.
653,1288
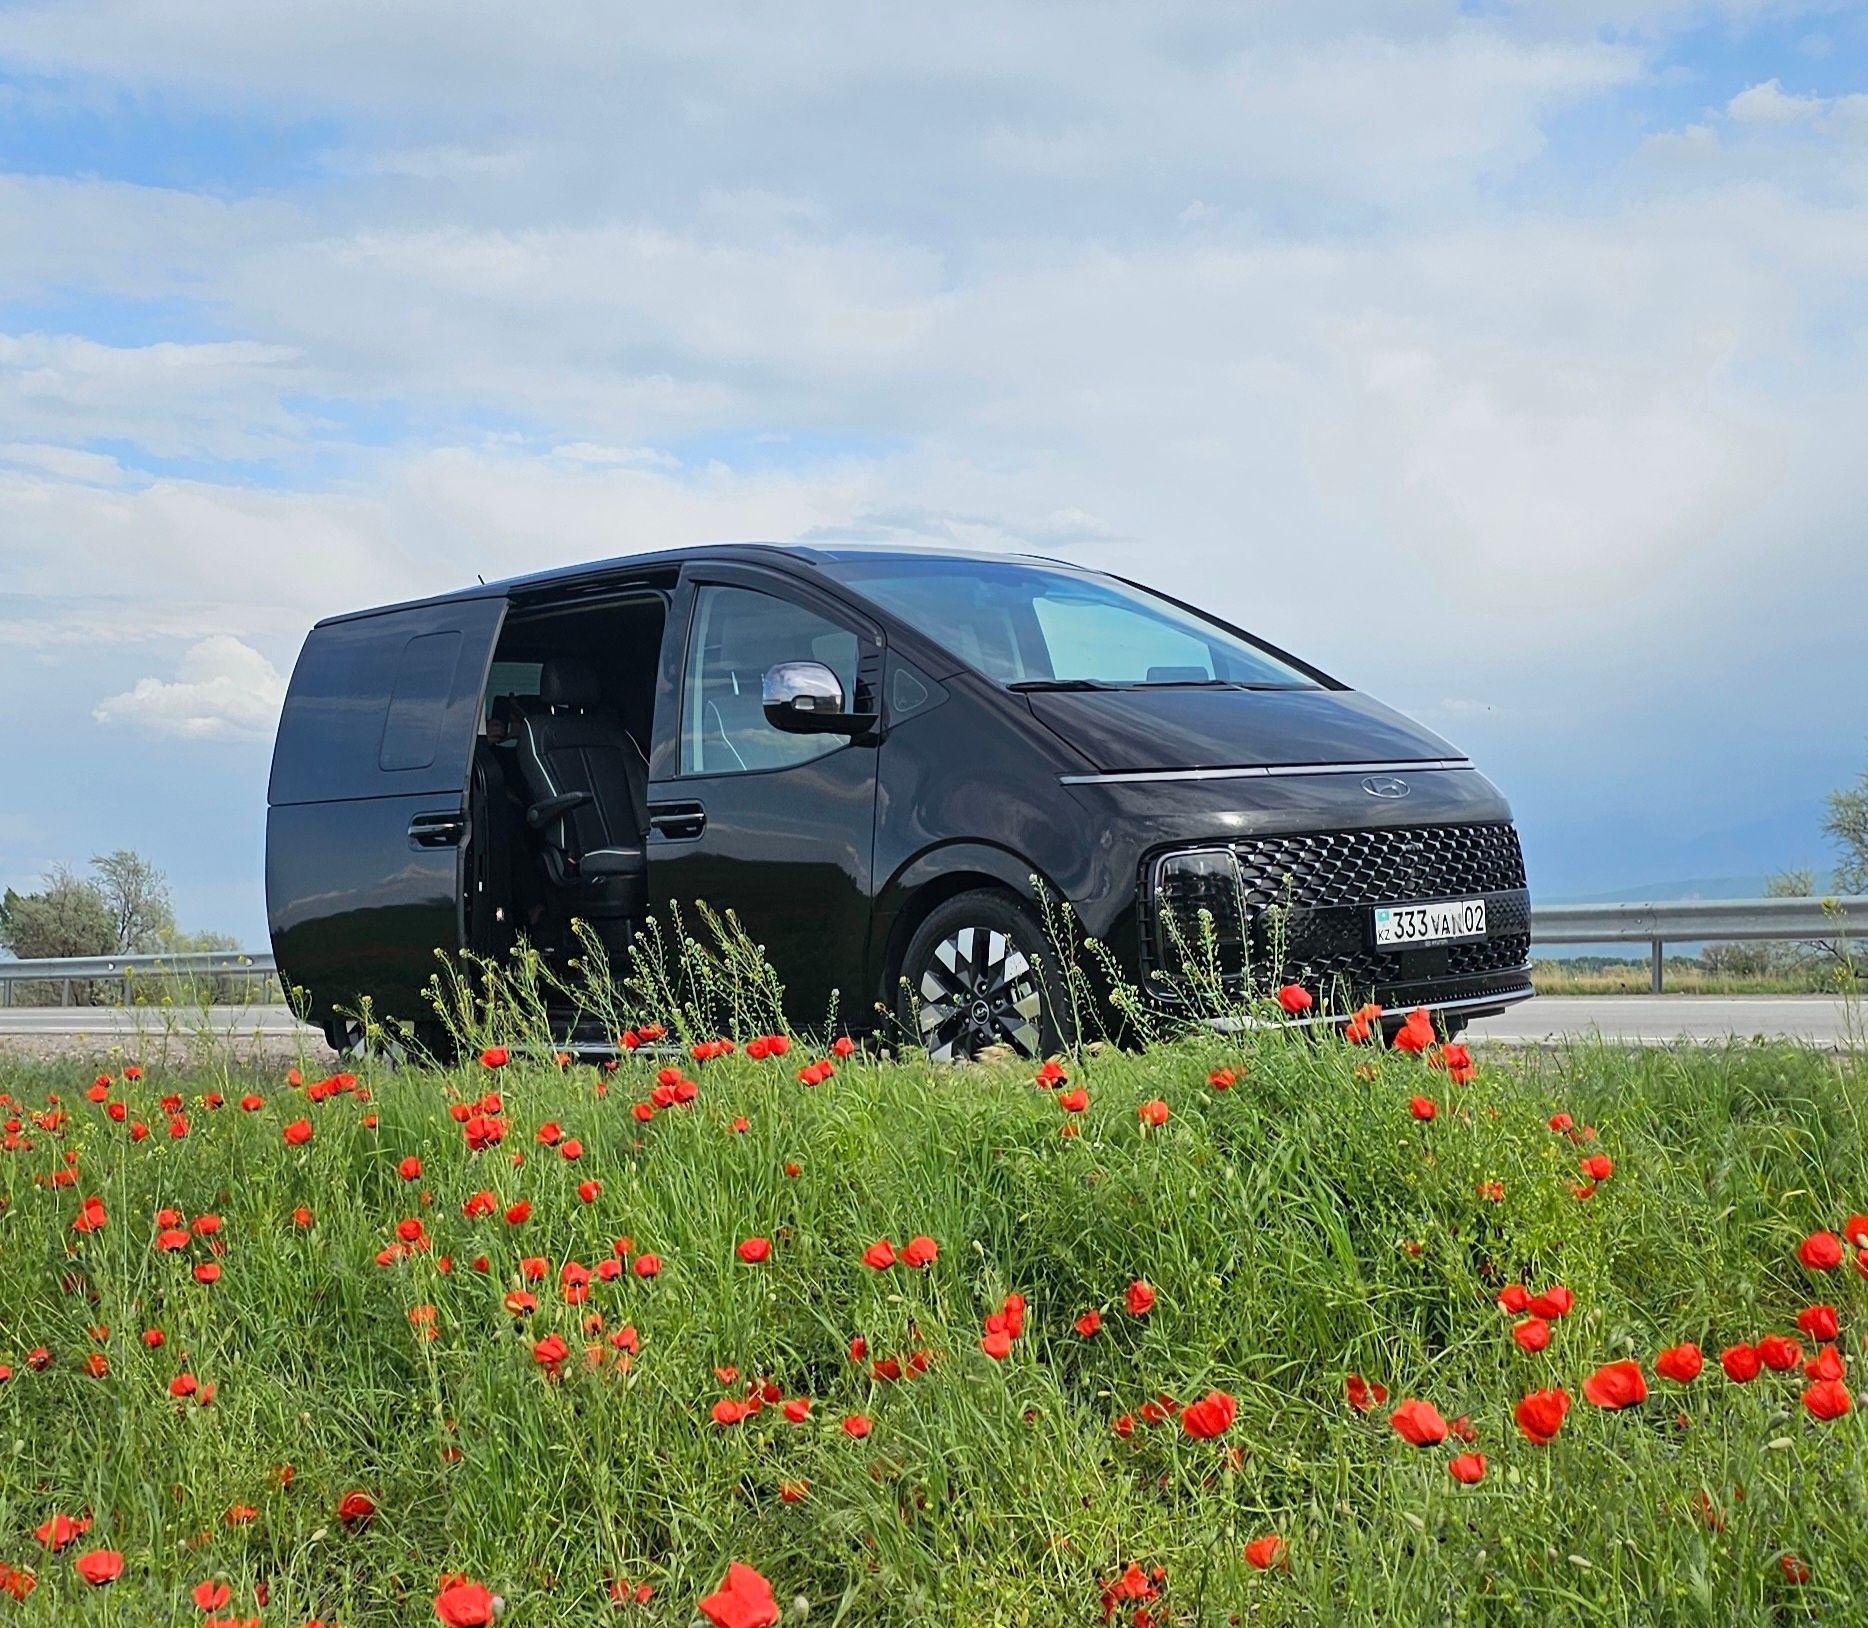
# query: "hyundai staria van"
883,761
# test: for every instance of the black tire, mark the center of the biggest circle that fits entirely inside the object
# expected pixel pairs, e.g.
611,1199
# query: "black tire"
979,972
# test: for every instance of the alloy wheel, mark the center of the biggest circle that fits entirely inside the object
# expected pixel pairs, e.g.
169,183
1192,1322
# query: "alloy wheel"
979,989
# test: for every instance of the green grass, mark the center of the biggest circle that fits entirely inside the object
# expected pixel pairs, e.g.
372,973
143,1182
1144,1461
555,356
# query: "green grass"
1297,1227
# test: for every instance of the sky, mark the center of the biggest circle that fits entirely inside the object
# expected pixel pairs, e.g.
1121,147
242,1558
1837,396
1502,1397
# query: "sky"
1505,360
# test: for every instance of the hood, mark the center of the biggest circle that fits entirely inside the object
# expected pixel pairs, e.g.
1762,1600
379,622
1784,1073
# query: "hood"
1131,730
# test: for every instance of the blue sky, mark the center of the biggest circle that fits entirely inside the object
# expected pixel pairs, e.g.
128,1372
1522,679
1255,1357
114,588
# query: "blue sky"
1505,359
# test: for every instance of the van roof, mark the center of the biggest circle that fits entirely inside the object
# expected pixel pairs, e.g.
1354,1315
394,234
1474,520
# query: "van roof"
808,551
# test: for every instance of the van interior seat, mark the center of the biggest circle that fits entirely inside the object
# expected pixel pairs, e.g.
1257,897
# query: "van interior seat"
573,746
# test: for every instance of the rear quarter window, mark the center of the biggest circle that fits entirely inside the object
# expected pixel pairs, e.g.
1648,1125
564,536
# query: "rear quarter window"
424,682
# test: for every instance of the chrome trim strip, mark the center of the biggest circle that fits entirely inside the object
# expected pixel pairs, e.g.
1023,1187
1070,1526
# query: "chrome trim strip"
1269,772
1235,1025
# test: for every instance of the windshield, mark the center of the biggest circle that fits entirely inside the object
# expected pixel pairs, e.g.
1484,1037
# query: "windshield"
1035,627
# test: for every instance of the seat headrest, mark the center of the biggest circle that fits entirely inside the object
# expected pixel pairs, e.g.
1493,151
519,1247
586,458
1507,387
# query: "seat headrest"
568,681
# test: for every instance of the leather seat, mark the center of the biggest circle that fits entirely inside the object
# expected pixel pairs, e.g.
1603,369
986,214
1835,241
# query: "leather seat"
589,788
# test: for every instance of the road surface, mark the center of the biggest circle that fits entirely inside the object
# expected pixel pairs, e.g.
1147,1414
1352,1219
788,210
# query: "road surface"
1651,1020
1635,1019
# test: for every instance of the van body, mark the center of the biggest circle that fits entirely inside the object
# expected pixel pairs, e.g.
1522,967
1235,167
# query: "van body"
881,760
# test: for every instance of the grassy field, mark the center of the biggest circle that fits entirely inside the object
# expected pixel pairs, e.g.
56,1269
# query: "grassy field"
363,1403
1686,975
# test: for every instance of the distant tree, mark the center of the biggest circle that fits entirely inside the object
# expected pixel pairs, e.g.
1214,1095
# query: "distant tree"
1791,884
137,895
1848,826
70,915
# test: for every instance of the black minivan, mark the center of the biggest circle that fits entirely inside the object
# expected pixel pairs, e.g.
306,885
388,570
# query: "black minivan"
882,760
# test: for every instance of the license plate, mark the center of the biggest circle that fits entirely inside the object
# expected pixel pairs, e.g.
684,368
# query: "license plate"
1445,922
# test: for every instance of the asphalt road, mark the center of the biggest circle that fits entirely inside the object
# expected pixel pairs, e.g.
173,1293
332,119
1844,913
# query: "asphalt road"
1651,1020
1634,1019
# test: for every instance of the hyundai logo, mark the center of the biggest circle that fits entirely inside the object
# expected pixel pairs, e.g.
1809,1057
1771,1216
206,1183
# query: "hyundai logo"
1384,785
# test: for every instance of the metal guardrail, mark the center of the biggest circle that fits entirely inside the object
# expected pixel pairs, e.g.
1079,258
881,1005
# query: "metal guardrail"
1700,921
1682,921
129,970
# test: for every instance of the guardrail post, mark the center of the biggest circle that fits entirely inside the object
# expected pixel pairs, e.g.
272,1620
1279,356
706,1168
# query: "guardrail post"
1660,961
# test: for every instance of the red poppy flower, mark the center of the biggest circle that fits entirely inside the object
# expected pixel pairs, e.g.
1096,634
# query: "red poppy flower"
1417,1034
1418,1423
1554,1302
1514,1298
1597,1167
1211,1416
1294,998
1826,1364
1827,1399
843,1046
1616,1385
1740,1362
856,1425
1141,1298
1532,1334
410,1169
495,1057
1050,1074
729,1410
1089,1323
920,1250
1363,1396
1855,1231
880,1255
460,1603
1153,1112
298,1133
1467,1467
1819,1322
1261,1554
1820,1252
100,1566
997,1343
210,1596
1680,1363
1779,1352
798,1409
646,1266
743,1600
1422,1107
754,1250
1793,1569
356,1508
1540,1415
60,1530
1223,1079
1073,1101
588,1191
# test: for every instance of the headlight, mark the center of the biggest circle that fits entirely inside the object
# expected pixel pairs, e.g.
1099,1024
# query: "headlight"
1191,888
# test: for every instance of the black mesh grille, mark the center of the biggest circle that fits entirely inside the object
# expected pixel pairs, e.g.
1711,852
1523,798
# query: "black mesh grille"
1380,866
1305,900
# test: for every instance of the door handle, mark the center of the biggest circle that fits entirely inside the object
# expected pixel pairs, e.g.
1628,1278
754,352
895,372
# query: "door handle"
677,822
437,830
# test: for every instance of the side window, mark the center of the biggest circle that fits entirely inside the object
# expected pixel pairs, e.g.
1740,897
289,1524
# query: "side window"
424,679
738,633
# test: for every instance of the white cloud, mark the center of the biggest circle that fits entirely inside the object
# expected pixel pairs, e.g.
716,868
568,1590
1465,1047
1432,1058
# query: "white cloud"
1767,104
222,690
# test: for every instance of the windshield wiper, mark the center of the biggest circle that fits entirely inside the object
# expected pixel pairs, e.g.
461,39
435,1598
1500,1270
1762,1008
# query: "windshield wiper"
1029,684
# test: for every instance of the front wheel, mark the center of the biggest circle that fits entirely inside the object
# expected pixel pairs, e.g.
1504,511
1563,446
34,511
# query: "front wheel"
977,973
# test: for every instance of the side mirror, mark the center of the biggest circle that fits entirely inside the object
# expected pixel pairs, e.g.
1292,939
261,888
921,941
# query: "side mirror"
806,698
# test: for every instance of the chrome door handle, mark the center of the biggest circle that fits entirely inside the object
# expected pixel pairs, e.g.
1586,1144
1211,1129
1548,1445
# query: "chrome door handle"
677,822
437,830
